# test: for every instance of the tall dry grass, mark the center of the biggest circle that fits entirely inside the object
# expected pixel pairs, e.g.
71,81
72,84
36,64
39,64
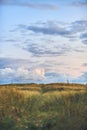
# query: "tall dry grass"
39,110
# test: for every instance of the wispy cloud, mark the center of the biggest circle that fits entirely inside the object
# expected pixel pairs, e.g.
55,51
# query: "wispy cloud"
81,3
40,6
71,30
46,51
49,28
34,5
14,63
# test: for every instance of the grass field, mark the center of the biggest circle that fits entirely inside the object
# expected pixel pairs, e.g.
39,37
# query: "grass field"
56,106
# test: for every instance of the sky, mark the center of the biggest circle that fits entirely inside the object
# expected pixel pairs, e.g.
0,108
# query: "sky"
43,41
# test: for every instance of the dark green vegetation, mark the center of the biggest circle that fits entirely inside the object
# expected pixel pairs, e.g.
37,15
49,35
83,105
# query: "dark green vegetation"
43,107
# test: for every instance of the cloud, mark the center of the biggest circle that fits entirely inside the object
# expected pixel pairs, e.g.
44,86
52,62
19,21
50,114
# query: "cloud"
85,42
79,50
6,72
39,72
41,6
50,30
46,51
30,5
84,35
21,74
74,31
85,64
9,62
55,28
81,3
25,71
14,63
19,70
10,40
79,26
12,72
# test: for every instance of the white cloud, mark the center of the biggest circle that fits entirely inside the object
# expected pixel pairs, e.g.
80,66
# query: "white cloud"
6,71
39,72
22,73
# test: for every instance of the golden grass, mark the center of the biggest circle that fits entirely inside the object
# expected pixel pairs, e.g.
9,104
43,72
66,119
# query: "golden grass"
59,106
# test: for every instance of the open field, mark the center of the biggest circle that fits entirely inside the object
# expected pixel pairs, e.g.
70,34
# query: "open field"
56,106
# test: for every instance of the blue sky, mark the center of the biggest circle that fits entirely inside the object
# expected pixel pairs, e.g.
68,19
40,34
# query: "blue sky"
43,41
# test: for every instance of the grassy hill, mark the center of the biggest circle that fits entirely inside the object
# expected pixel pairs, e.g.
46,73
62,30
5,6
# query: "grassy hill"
55,106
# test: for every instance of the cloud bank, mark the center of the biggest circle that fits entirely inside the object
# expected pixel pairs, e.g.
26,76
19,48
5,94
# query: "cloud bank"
16,71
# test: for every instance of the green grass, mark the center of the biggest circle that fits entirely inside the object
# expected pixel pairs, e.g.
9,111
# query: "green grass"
43,107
